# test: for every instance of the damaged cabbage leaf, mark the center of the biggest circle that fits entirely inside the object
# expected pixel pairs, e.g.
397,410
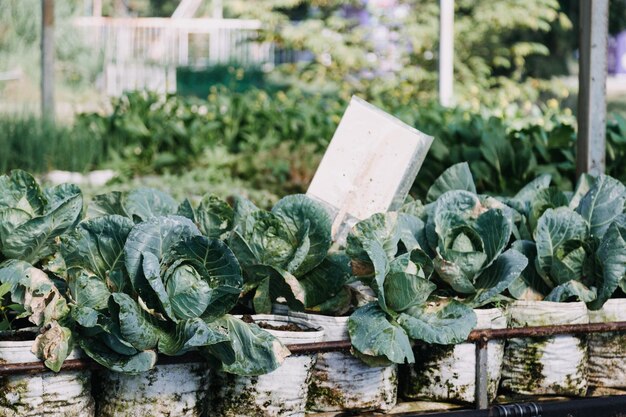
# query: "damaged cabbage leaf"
53,346
44,306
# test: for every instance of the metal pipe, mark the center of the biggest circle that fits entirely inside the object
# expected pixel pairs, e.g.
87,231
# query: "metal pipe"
538,331
85,363
476,336
591,144
482,377
596,407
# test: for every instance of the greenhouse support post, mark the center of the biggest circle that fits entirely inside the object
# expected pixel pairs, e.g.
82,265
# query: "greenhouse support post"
446,52
482,379
47,59
591,149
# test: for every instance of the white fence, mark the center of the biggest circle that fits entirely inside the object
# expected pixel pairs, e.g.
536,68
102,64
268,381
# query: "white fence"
143,53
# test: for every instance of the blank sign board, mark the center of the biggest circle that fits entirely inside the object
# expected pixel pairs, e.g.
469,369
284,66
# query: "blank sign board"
368,167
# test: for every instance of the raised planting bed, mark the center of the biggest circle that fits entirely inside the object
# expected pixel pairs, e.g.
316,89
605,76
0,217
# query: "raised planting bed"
173,299
480,338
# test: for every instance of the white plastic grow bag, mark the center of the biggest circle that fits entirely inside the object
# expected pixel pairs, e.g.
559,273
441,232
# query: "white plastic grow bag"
282,392
555,365
49,394
448,373
342,382
172,390
607,351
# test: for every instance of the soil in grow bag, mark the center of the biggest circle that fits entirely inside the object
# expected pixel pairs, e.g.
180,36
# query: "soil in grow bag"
290,327
65,394
281,393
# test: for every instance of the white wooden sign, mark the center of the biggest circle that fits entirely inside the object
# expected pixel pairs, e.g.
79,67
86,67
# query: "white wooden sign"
368,167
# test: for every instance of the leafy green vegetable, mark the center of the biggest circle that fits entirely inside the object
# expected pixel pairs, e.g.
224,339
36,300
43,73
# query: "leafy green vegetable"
97,246
441,322
31,219
374,335
457,177
578,250
381,331
251,350
139,205
284,254
604,201
155,286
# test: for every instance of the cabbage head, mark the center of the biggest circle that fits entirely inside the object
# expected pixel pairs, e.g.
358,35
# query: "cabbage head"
577,242
399,273
159,286
284,254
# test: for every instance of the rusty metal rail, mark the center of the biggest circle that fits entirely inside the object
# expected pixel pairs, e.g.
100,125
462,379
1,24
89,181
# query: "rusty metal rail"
538,331
482,337
479,337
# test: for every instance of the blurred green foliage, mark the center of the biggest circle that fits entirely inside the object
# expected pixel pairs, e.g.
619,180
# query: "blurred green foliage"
273,142
492,44
276,140
27,142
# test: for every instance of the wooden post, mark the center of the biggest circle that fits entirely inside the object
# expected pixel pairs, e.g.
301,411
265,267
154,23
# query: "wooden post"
218,9
591,149
97,8
446,52
47,59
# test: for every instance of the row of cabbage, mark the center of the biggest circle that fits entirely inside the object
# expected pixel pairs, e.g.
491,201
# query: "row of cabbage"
129,276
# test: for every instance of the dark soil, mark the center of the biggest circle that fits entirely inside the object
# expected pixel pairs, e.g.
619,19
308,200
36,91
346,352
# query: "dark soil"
290,327
17,336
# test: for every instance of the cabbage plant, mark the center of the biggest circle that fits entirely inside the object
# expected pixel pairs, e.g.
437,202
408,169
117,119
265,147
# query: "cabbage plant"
467,235
139,205
159,286
284,253
34,292
441,259
32,220
406,308
576,242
